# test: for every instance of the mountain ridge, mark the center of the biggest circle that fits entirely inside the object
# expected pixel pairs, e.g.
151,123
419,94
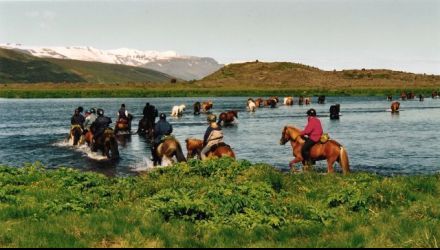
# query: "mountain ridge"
169,62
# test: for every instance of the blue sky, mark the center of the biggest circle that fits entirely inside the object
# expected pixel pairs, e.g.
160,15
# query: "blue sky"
338,34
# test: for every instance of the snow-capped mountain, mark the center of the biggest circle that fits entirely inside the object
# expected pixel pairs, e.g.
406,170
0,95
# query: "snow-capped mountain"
184,67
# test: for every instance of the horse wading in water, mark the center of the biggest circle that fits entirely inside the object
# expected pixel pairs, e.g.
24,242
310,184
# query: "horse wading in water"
206,106
288,101
170,148
251,106
76,135
330,150
108,144
395,107
227,117
197,106
195,146
178,110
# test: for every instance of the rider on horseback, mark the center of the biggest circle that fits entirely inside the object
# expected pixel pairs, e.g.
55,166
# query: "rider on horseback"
77,119
99,126
213,135
90,119
314,132
161,129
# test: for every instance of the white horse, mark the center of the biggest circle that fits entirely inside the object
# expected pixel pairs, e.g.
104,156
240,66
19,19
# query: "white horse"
178,110
251,106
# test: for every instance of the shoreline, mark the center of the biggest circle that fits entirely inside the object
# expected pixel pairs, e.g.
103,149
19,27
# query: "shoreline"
27,91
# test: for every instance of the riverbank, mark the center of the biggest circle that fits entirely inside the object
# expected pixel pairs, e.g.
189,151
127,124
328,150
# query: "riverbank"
49,90
220,203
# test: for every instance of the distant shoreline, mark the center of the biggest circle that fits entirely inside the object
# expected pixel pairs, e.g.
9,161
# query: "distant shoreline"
49,90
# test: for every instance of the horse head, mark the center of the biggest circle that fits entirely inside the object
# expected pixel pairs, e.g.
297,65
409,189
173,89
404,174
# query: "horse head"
290,134
234,113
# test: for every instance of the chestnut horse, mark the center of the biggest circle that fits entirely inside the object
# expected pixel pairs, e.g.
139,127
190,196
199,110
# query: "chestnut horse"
169,148
195,146
395,107
227,117
206,106
330,150
259,102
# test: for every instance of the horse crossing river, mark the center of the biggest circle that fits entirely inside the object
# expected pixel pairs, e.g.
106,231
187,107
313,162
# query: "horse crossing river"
377,141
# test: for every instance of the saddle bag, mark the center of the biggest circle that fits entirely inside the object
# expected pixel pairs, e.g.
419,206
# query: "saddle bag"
324,138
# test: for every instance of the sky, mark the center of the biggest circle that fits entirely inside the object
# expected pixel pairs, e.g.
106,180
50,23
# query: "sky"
329,34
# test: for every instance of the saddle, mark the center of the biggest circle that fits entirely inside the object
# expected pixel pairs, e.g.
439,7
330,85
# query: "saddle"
167,137
108,131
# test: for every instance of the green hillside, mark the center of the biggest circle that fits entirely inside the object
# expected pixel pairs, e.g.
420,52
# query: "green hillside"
18,67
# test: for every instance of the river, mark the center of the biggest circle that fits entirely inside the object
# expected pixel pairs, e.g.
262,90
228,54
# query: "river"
34,130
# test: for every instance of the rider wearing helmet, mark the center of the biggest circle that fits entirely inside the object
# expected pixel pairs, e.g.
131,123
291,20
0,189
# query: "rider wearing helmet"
90,119
314,132
161,129
213,135
77,119
100,124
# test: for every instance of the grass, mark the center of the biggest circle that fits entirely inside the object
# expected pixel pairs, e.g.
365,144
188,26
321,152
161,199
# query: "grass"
218,203
78,90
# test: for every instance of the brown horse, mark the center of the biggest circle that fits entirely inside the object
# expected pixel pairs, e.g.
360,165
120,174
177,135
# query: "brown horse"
195,146
206,106
270,102
169,148
76,135
395,107
259,102
108,144
227,117
330,150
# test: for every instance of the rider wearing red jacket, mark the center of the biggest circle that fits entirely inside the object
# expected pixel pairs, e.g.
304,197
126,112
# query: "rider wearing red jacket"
314,132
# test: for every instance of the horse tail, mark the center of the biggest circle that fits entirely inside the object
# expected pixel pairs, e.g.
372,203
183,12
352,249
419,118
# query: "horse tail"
179,153
343,160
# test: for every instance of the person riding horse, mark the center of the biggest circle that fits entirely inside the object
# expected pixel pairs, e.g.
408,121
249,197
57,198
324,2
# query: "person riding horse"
213,135
77,119
314,132
124,119
146,124
162,128
99,126
90,119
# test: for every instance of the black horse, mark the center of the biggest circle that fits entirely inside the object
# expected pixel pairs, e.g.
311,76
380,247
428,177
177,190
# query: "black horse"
197,106
321,99
334,111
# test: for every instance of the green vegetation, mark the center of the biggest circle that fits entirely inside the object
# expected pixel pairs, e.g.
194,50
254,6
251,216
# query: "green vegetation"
218,203
18,67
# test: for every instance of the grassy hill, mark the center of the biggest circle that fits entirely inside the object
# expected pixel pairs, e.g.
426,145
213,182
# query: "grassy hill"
297,76
18,67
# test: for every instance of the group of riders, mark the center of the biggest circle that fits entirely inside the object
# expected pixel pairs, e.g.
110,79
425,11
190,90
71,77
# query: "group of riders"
94,122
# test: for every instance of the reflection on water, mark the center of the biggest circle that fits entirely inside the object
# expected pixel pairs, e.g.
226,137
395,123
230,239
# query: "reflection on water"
377,141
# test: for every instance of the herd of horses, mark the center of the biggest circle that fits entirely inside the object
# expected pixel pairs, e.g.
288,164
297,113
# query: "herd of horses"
329,150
